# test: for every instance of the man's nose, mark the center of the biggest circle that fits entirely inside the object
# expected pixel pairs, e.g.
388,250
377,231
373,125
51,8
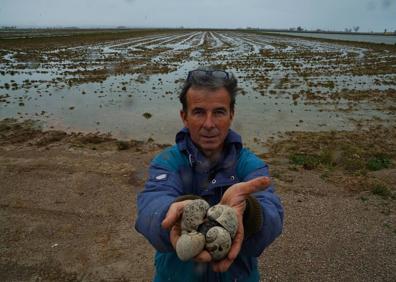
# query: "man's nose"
209,122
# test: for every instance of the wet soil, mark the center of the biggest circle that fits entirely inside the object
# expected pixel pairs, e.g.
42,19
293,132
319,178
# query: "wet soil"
68,207
101,80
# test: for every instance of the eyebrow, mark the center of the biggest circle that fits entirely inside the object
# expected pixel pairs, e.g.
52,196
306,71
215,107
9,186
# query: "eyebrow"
220,108
203,109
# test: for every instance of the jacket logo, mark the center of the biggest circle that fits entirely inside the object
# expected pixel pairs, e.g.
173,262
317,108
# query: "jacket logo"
161,176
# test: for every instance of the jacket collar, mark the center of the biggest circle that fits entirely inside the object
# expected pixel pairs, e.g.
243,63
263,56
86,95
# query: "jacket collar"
232,146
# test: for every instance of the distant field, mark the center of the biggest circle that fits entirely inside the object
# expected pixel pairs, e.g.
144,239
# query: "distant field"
357,37
106,80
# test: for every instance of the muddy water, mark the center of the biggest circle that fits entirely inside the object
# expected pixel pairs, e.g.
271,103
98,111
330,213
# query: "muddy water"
117,103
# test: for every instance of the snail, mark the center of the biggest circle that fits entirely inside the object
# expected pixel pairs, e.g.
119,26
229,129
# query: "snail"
189,245
206,228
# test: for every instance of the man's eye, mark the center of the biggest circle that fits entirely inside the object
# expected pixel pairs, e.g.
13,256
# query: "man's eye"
220,112
198,112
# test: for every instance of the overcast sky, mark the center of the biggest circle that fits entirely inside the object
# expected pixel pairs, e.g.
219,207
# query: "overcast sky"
369,15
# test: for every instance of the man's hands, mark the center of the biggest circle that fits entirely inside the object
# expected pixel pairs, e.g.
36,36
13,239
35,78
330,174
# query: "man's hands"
235,197
172,220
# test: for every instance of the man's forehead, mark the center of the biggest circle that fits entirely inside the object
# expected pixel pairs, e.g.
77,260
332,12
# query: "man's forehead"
208,97
211,107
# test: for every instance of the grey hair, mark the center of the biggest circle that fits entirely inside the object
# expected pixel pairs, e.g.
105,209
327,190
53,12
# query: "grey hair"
212,83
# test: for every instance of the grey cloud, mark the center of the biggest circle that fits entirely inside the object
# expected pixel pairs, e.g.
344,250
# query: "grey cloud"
371,5
387,3
384,4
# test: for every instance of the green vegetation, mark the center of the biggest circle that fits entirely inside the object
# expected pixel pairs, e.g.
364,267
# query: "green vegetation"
382,191
307,161
354,153
379,162
350,158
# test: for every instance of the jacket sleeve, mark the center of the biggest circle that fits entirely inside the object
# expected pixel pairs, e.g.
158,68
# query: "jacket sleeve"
161,189
270,208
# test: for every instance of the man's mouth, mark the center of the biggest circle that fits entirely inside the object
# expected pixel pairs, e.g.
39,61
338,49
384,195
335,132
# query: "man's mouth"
209,136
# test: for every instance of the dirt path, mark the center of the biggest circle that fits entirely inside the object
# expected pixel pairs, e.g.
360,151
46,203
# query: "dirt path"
68,207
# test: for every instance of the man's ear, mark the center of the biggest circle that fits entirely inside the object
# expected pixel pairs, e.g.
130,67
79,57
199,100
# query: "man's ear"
183,116
232,114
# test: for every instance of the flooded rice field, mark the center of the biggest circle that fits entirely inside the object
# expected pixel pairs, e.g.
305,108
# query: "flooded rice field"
357,37
128,85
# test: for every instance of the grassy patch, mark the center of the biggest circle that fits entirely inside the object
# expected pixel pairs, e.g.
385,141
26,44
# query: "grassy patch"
354,153
344,158
351,159
382,191
324,158
307,161
379,162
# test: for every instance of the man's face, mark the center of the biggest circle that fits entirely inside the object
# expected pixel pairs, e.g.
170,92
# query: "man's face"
208,118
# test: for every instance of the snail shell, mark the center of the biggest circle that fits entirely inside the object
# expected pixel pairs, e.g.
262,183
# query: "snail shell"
218,242
218,223
194,214
189,245
225,216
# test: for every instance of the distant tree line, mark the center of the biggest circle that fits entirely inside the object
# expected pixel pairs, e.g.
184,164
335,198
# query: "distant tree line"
348,30
355,29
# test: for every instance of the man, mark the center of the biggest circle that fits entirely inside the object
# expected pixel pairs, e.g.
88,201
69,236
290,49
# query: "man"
208,162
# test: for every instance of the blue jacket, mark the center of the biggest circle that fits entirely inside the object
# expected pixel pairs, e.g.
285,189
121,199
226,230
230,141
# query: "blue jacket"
183,170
